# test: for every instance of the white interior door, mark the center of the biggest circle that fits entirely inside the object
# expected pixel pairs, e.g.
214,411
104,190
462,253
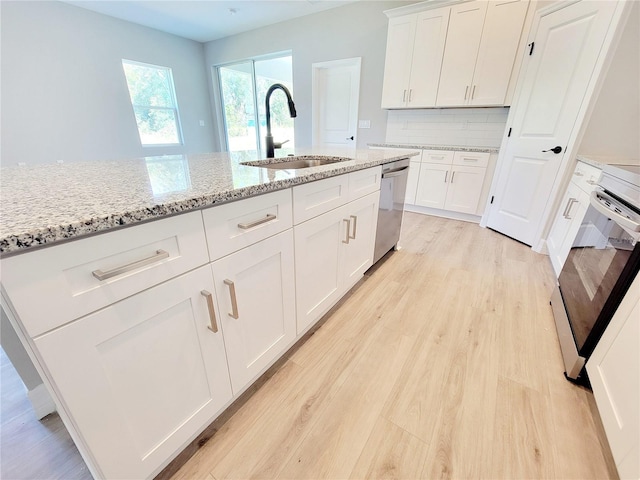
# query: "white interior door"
336,90
568,42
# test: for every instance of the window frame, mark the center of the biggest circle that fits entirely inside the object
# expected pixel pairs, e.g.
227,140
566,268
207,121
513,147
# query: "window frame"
174,109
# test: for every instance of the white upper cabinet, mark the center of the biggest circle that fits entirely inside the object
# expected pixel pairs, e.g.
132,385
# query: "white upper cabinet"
481,46
415,45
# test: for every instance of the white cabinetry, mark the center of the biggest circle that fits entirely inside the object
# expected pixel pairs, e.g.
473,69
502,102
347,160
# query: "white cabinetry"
614,371
572,211
142,377
332,251
482,42
255,289
415,44
451,180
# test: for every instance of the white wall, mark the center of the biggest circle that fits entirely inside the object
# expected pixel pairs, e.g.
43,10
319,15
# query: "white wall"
614,126
64,94
355,30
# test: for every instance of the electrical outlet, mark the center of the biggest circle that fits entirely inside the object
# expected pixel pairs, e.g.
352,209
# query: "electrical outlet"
202,123
364,124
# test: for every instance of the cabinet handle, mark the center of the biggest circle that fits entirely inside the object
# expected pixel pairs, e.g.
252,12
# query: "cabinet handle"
114,272
466,89
234,300
355,227
404,96
468,159
268,218
473,91
446,174
567,209
348,222
453,175
212,313
410,92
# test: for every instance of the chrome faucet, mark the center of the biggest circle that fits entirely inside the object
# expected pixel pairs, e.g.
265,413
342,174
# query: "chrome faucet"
270,144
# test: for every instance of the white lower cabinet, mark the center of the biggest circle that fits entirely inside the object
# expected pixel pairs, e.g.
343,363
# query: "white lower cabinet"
140,378
432,185
465,186
333,250
572,212
255,288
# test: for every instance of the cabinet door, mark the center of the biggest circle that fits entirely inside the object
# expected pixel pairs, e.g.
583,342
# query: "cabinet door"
363,219
465,186
397,63
412,182
562,228
432,185
255,288
461,51
318,247
431,31
142,377
497,53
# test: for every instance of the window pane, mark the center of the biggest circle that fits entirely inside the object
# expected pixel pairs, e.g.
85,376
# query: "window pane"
239,113
157,126
154,104
268,72
168,174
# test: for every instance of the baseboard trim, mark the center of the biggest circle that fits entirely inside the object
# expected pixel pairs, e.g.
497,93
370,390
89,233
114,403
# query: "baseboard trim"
41,401
465,217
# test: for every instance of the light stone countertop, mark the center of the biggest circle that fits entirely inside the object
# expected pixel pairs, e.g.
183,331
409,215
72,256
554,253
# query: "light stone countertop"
600,161
457,148
45,204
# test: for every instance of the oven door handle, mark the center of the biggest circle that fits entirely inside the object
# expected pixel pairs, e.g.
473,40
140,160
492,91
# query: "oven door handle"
616,217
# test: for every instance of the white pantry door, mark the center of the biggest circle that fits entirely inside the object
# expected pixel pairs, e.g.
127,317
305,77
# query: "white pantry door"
336,92
567,45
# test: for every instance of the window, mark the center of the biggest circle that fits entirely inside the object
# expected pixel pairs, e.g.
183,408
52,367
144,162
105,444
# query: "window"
154,103
243,87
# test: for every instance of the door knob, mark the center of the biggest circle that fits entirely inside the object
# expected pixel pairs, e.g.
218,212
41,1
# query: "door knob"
349,138
555,150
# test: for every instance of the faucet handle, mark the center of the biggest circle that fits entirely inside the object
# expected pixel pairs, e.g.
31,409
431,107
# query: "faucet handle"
279,144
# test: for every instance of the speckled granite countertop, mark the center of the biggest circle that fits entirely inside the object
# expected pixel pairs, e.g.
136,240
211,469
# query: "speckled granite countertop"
458,148
45,204
600,161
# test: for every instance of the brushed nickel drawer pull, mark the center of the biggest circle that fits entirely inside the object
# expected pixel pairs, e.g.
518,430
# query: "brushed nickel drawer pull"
446,174
246,226
212,313
404,96
234,300
453,175
466,90
473,92
355,227
114,272
568,206
410,92
348,222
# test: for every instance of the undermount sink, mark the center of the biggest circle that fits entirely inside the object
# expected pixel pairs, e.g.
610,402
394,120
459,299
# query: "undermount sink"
293,163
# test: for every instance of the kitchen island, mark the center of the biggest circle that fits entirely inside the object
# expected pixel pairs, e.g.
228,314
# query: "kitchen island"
145,335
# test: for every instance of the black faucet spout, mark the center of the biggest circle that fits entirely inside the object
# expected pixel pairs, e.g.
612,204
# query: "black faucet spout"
270,145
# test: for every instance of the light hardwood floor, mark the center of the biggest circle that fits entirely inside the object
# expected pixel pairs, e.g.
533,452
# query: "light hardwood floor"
442,363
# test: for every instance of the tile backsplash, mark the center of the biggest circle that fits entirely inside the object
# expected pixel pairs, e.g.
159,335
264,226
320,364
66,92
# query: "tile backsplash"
480,127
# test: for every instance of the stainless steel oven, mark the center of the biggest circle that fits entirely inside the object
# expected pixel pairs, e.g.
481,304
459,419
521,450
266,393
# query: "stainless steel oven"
602,263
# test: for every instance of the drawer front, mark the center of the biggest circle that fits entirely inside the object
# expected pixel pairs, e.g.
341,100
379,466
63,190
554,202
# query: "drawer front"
53,286
315,198
236,225
437,156
364,182
586,176
471,159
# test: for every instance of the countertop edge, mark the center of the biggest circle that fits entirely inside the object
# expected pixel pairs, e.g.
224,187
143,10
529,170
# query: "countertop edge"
457,148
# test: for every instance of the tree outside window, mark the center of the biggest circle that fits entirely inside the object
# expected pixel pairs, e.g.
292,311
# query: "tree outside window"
154,103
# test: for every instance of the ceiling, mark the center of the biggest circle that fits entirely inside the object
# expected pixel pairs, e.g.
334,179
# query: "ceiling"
206,20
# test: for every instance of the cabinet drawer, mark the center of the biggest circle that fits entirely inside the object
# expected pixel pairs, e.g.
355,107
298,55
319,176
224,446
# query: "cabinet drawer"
471,159
55,285
364,182
586,176
315,198
236,225
437,156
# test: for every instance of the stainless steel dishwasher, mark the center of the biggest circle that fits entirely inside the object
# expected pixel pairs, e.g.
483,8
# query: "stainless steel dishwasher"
392,191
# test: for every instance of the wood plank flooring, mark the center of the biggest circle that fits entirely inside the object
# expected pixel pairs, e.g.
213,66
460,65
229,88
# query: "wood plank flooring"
442,363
